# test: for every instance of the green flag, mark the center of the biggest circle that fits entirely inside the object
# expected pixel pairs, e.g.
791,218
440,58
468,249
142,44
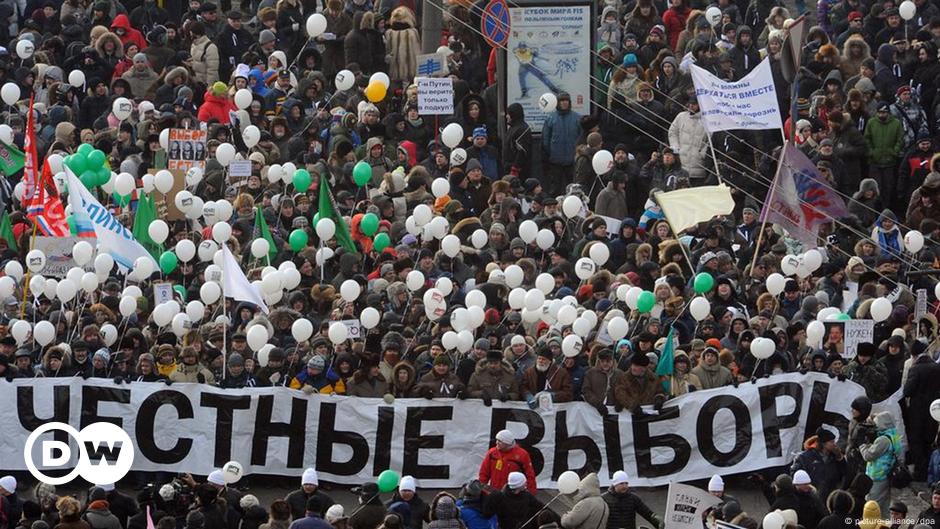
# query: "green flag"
11,159
145,214
6,231
327,209
665,367
261,230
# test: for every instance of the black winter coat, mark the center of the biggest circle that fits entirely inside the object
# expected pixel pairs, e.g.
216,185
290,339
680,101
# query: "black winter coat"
298,503
514,509
624,509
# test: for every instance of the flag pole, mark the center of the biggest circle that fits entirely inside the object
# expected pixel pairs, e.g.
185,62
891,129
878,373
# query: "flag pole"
32,241
714,158
225,324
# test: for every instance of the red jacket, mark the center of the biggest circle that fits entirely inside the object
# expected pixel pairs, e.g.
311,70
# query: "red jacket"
216,107
497,465
674,20
131,35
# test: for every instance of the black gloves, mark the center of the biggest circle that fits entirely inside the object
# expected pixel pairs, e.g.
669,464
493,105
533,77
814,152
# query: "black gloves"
503,397
658,401
803,370
428,393
200,378
618,407
85,375
841,377
487,399
462,395
601,409
118,380
168,382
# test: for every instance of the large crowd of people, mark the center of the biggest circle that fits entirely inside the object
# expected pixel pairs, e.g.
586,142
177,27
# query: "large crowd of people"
866,113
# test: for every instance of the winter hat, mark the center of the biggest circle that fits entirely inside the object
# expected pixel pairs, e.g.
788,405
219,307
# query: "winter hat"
215,477
445,509
800,477
516,480
716,484
824,436
505,436
248,501
619,477
218,89
309,476
629,60
195,520
479,132
335,513
140,57
266,36
317,362
103,354
407,483
8,483
235,360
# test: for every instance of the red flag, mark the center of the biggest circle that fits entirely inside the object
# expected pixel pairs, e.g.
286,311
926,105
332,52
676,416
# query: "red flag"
43,205
30,173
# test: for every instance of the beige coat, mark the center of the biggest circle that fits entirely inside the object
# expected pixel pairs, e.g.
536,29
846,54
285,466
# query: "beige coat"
205,60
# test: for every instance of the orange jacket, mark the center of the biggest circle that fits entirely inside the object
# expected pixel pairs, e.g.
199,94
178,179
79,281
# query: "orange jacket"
497,465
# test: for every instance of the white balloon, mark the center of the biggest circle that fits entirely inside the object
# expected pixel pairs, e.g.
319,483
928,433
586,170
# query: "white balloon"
773,520
290,278
812,259
476,298
479,239
414,280
439,226
271,283
165,139
260,247
545,282
163,181
209,293
464,341
325,228
15,270
713,15
316,25
571,345
907,9
124,184
514,276
548,102
422,214
528,231
122,108
460,319
762,348
445,285
287,172
458,156
225,153
516,298
617,328
180,324
545,239
232,472
700,308
533,299
35,261
25,49
206,250
584,268
243,98
775,284
350,290
567,315
338,332
195,310
568,482
251,136
221,232
301,329
20,331
450,245
789,264
143,268
65,290
935,410
632,297
7,286
602,162
477,315
44,333
6,134
256,336
275,173
48,289
127,306
81,253
344,81
599,253
369,317
440,187
450,340
381,77
89,282
323,255
103,264
571,206
880,309
452,135
815,331
10,93
582,327
914,241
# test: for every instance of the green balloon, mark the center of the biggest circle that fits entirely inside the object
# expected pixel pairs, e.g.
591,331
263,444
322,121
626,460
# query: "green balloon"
168,262
181,291
645,302
77,163
381,242
362,173
388,480
843,317
369,224
704,282
121,200
85,149
316,218
103,174
73,229
298,240
95,158
302,180
89,178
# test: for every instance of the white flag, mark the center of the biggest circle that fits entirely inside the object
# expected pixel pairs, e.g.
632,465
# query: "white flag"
113,238
750,103
685,208
685,505
234,283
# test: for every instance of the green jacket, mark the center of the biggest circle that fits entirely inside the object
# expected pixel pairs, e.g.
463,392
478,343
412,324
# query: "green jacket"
885,141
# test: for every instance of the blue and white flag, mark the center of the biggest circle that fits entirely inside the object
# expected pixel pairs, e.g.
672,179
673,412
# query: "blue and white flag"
113,237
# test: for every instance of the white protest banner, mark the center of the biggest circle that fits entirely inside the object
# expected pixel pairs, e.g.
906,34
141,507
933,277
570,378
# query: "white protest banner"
113,237
58,252
435,96
920,306
279,431
685,506
750,103
856,332
354,329
162,292
239,168
432,65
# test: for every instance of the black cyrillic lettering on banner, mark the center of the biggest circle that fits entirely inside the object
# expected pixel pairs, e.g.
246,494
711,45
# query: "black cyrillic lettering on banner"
328,435
144,429
644,443
26,409
500,417
225,406
818,415
565,444
382,458
294,431
705,430
770,395
612,444
415,441
92,395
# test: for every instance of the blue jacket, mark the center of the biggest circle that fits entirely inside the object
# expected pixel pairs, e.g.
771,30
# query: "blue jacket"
311,521
473,518
559,134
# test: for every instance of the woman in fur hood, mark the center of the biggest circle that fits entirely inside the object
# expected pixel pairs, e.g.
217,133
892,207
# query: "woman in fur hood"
404,44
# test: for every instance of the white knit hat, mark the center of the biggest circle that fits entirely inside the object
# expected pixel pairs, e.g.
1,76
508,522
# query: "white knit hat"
309,477
716,484
8,483
619,477
407,483
215,477
516,480
800,477
334,513
505,436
